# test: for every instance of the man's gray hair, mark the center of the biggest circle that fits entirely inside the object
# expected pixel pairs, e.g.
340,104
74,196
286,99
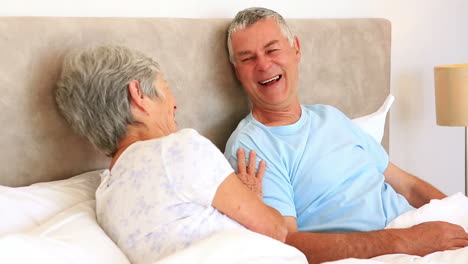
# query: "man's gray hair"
250,16
92,92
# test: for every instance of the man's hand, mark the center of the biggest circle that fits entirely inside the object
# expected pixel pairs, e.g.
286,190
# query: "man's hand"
429,237
248,174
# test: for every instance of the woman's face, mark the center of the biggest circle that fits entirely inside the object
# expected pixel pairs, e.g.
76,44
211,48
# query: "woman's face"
163,108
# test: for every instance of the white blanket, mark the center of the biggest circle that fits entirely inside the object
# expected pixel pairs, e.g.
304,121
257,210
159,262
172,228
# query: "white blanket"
247,247
236,247
453,209
55,222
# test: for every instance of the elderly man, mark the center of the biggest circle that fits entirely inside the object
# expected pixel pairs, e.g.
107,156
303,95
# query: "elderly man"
333,184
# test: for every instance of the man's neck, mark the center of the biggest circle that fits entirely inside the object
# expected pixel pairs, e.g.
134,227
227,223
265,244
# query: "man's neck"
282,117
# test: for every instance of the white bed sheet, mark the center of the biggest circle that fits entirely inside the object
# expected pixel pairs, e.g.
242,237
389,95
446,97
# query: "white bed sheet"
236,247
55,222
453,209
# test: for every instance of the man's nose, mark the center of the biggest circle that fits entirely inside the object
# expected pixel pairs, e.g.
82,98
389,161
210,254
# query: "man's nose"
263,63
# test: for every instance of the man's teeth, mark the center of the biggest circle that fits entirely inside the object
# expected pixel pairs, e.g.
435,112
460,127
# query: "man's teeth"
270,80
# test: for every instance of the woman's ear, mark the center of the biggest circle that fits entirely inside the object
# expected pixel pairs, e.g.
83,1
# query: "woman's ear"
137,98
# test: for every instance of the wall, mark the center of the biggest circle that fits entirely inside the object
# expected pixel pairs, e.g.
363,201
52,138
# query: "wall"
426,33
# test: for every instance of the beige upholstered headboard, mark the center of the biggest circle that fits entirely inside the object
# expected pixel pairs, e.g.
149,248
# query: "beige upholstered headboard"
345,63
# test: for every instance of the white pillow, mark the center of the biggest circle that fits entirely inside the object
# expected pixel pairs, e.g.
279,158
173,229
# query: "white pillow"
24,208
72,236
55,222
374,124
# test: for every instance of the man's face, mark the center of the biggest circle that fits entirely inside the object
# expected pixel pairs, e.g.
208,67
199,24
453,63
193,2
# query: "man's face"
266,64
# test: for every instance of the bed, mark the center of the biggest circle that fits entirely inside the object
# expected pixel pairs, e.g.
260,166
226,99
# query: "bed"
48,175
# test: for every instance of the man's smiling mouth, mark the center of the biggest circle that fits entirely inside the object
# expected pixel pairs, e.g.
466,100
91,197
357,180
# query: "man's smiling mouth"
271,80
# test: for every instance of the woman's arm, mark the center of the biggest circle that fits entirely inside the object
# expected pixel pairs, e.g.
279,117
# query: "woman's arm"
243,202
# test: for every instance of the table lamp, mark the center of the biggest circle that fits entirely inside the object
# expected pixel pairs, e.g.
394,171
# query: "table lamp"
451,94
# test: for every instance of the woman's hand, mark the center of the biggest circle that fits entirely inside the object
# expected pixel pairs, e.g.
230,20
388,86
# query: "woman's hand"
248,175
239,197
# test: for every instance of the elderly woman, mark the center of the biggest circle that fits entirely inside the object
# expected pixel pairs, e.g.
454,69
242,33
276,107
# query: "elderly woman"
165,187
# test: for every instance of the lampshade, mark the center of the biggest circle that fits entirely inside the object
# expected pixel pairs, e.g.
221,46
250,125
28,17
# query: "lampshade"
451,93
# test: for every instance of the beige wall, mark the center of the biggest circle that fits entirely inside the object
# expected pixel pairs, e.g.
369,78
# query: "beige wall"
425,34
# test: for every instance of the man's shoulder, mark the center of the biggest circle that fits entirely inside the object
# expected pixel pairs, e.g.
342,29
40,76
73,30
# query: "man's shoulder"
321,109
245,126
246,133
327,113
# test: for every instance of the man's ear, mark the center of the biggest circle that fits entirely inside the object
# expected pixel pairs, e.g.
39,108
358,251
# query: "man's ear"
235,71
137,98
297,47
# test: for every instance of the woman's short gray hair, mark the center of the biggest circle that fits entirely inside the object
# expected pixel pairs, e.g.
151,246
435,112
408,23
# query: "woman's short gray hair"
92,92
250,16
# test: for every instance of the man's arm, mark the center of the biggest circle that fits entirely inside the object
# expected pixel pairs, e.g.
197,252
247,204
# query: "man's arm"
414,189
419,240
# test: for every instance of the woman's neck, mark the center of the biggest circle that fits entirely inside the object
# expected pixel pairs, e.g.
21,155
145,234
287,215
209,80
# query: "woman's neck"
123,145
134,134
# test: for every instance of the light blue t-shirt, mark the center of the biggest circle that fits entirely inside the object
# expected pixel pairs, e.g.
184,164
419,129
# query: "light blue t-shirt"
323,170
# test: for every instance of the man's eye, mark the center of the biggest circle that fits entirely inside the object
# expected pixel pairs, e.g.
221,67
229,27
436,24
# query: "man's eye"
272,50
246,59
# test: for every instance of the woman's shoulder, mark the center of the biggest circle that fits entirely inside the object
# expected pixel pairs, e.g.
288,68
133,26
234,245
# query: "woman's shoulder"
187,134
170,142
189,137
